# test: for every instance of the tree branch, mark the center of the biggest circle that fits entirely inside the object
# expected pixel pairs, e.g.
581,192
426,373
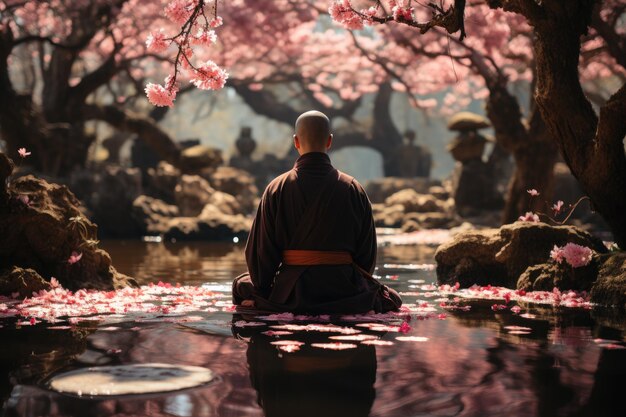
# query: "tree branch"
144,127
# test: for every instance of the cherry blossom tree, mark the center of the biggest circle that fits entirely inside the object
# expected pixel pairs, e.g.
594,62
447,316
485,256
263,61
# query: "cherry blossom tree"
592,144
496,56
66,63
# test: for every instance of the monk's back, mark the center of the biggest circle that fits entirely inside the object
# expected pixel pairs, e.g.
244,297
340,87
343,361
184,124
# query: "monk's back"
317,207
312,246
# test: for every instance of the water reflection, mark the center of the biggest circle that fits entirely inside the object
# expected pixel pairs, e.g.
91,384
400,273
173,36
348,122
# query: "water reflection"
312,382
192,263
470,366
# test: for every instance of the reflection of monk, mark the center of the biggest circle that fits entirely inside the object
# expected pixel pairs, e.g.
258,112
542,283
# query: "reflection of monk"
312,246
312,382
413,160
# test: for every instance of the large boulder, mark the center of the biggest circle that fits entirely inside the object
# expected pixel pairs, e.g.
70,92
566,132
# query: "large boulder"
192,193
378,190
388,216
419,221
610,287
500,256
211,224
200,158
161,181
414,202
546,276
153,215
22,281
237,183
42,229
226,203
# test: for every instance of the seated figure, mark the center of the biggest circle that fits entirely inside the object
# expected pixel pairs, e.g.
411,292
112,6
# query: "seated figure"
312,247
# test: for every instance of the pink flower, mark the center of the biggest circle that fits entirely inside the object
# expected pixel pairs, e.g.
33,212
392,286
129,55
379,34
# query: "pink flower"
156,42
74,257
557,254
557,207
205,37
533,192
179,11
24,199
404,327
369,14
23,153
209,76
529,217
577,255
342,12
160,96
516,309
54,283
216,22
402,13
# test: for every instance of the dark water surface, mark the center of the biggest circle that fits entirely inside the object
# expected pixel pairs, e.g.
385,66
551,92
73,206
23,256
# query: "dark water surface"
468,365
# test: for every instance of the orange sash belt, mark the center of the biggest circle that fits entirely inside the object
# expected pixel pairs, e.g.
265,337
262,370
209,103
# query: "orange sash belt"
316,257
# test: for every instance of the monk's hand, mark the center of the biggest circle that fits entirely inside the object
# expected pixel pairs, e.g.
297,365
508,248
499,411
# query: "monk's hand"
247,303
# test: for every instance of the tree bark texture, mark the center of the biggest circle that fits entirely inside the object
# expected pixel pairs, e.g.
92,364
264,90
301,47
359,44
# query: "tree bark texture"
592,146
530,145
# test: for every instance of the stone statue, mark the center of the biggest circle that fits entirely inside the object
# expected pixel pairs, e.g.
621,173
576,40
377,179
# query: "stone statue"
245,146
413,160
474,182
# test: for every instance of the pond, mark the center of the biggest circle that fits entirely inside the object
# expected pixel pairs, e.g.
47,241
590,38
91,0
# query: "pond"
444,356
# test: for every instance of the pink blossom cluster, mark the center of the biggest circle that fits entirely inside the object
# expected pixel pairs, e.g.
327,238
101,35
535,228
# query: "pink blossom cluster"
157,42
566,298
23,152
146,302
402,11
162,95
179,11
342,12
209,76
188,16
573,254
529,217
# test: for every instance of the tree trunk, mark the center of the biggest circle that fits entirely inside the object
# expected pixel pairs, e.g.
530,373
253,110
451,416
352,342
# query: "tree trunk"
592,147
144,127
532,148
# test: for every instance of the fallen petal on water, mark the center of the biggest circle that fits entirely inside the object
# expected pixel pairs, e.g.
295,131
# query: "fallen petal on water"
412,338
334,346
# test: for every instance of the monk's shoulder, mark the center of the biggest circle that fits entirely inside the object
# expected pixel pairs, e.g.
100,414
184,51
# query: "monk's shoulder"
349,180
277,184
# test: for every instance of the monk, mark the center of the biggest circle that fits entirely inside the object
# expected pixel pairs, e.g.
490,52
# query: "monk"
312,247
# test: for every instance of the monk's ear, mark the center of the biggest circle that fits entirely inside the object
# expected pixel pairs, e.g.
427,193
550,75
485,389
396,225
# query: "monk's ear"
329,143
296,142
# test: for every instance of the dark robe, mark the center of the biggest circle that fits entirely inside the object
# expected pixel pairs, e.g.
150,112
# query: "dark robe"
313,207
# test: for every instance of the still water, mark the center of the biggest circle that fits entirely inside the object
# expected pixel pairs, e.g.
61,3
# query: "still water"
568,362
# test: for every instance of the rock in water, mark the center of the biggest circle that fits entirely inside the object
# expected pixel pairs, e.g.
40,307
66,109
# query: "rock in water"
22,281
43,230
198,158
132,379
500,256
378,190
610,288
238,183
192,193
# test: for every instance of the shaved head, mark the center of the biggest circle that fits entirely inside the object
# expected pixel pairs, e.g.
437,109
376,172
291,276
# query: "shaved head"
313,130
